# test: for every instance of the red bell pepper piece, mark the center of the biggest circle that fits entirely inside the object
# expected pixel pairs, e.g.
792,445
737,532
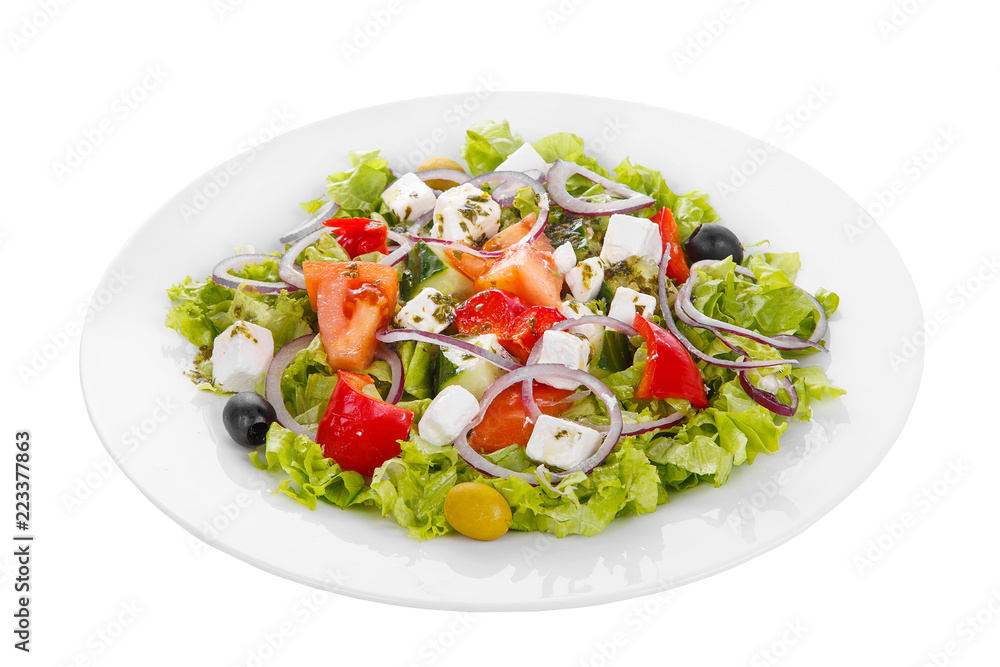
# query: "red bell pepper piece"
677,267
529,326
358,236
670,372
492,311
358,431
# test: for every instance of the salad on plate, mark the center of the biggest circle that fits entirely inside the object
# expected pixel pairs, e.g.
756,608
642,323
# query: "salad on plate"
527,341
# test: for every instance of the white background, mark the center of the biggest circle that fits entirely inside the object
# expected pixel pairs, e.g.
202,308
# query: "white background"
884,81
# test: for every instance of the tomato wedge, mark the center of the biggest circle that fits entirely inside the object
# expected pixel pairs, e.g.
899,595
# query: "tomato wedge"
492,311
515,233
526,271
527,328
358,236
670,372
352,300
506,423
677,267
358,431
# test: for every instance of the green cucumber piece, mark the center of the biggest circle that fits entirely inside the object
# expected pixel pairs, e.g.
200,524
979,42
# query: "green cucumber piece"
466,370
428,266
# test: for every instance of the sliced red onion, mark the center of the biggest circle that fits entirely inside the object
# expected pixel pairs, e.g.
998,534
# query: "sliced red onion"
288,269
397,335
421,222
387,354
400,253
222,274
769,400
312,223
561,170
526,375
512,182
701,320
451,175
607,322
822,324
668,319
645,427
272,387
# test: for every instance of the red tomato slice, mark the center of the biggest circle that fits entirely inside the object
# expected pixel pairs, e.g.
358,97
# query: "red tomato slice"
677,267
670,372
529,326
505,422
492,311
526,271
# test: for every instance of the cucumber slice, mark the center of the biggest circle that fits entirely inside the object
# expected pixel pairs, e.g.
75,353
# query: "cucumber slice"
616,355
429,267
468,371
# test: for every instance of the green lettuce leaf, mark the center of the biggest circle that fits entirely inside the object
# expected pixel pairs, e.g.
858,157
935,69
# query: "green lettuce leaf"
487,144
689,210
359,189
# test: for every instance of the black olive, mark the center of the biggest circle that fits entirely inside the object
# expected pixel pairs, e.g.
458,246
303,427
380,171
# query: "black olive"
247,416
713,241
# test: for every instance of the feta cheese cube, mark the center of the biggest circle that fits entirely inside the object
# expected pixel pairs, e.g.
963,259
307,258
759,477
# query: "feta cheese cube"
451,411
561,443
565,258
628,236
573,310
409,198
627,302
584,279
562,347
241,355
429,310
523,159
472,372
466,214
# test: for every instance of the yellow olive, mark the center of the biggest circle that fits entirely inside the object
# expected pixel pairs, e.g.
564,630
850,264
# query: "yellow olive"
477,511
440,163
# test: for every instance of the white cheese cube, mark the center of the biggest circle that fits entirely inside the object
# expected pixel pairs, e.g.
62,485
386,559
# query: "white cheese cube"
561,443
429,310
451,411
565,258
523,159
466,214
409,198
628,236
471,372
241,355
573,310
584,279
562,347
628,302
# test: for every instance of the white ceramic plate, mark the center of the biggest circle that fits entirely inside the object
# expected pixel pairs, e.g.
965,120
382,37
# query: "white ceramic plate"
169,440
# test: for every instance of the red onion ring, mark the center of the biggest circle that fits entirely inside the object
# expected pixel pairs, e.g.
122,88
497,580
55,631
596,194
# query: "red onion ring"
602,320
561,170
397,335
387,354
695,317
668,319
400,253
222,276
272,386
505,193
769,400
288,270
421,222
312,223
527,374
